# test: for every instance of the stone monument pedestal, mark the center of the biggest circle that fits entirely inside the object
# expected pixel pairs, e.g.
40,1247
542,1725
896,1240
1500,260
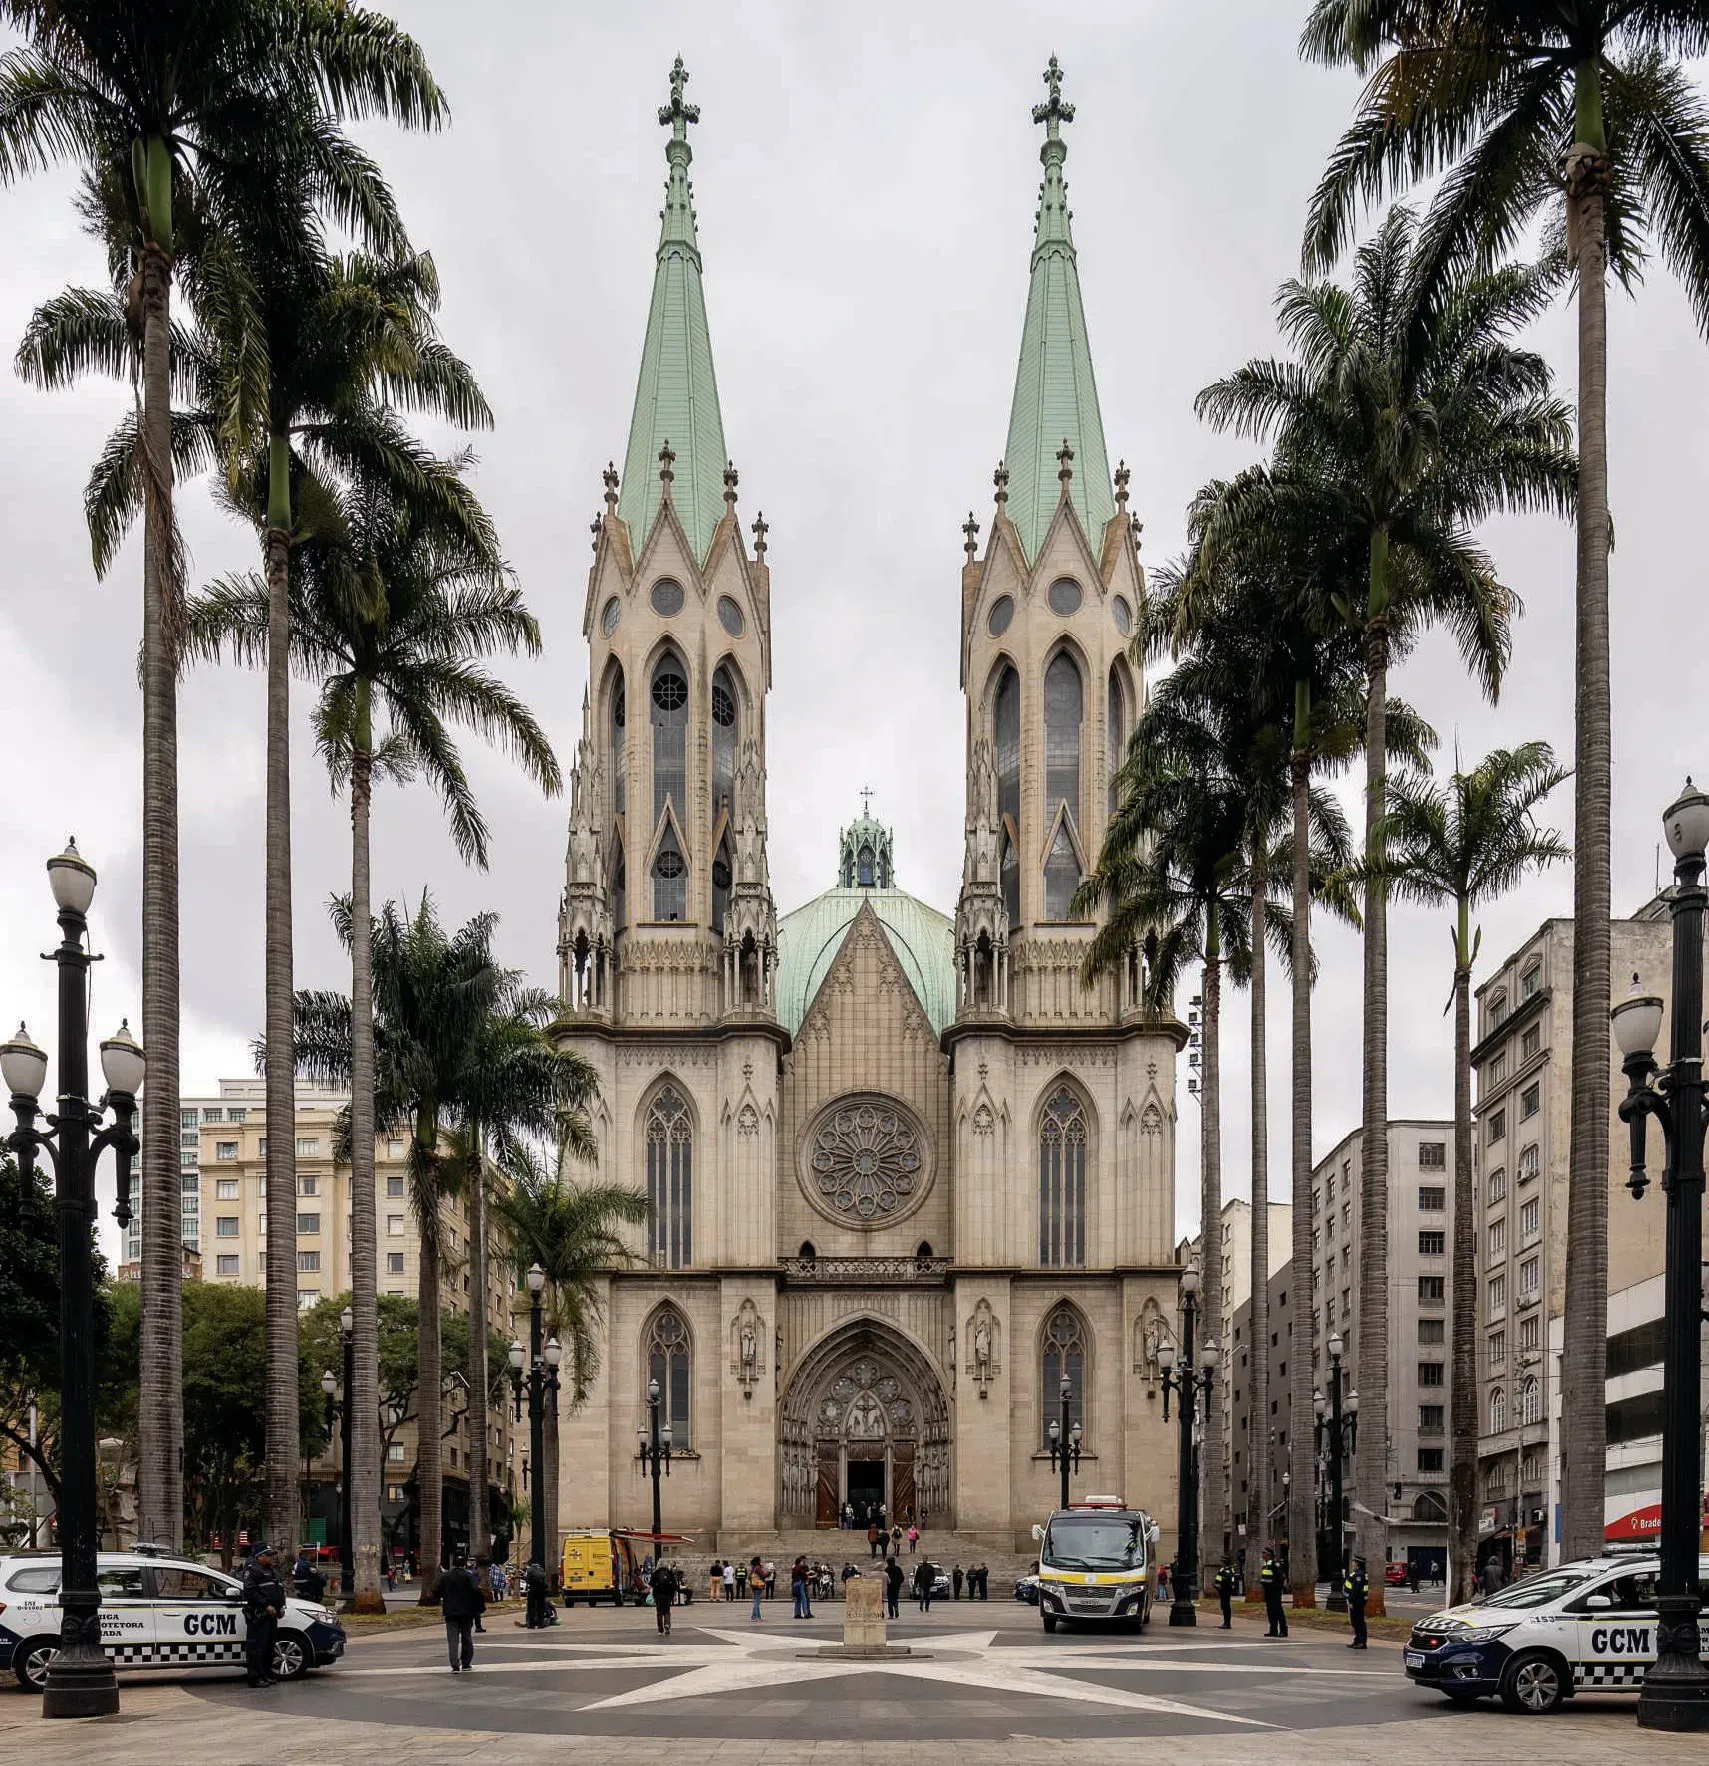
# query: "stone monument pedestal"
865,1629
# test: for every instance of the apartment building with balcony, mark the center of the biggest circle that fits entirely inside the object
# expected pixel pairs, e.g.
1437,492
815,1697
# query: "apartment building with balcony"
1522,1063
1420,1237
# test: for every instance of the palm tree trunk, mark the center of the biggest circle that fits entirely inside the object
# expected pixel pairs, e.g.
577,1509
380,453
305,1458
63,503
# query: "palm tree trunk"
1213,1494
1258,1389
1371,1467
1585,1341
430,1450
480,1530
284,1507
364,1475
160,1409
1302,1454
1463,1448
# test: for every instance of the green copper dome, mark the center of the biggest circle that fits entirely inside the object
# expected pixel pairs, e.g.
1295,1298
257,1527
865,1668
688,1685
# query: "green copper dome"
808,939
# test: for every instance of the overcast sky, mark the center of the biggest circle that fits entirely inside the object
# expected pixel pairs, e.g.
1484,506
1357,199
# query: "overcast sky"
865,180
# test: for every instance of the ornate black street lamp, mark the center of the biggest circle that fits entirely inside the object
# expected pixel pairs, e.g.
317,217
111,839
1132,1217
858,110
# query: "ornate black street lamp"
1337,1437
342,1409
1065,1441
1675,1693
655,1453
543,1362
1188,1383
80,1681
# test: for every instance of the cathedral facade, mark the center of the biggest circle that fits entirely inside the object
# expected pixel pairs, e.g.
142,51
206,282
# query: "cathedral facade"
908,1173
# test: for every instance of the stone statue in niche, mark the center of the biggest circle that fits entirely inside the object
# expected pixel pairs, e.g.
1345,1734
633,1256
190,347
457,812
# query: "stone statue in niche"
982,1346
745,1333
1148,1338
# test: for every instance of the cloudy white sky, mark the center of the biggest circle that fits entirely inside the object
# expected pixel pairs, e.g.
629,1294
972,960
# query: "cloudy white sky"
865,179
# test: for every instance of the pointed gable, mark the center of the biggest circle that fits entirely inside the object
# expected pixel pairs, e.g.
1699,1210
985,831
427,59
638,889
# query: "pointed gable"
1056,396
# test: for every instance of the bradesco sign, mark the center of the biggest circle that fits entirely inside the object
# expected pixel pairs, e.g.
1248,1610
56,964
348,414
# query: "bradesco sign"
1638,1523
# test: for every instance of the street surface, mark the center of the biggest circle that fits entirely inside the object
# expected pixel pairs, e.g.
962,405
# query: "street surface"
982,1677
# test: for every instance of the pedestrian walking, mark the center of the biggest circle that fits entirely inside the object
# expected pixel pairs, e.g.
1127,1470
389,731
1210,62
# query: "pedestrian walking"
923,1579
461,1603
872,1539
896,1540
955,1584
1165,1584
756,1581
729,1575
1357,1588
665,1583
1270,1580
1412,1575
913,1539
1223,1583
798,1588
263,1602
892,1587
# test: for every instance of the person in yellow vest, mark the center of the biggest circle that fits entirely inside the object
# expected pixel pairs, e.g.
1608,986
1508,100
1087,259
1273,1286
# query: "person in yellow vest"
1270,1580
1223,1583
1358,1590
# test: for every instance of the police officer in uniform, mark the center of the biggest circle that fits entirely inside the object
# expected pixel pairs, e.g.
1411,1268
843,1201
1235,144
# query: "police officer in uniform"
263,1602
1358,1589
1223,1583
1270,1580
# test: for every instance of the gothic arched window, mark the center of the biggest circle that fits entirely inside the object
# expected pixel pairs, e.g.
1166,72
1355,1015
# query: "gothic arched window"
619,703
1064,713
670,1362
1064,1354
1497,1411
1006,733
1530,1402
669,695
725,729
619,888
721,874
670,880
1118,731
670,1179
866,865
1062,1181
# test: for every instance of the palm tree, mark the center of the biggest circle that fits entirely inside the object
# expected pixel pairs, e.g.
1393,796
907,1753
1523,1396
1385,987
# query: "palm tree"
157,100
389,614
575,1232
1581,113
1407,419
1464,843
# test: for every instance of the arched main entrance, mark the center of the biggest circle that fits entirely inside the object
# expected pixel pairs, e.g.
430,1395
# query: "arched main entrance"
864,1421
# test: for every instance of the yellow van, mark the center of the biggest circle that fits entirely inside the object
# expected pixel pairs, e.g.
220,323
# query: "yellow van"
604,1563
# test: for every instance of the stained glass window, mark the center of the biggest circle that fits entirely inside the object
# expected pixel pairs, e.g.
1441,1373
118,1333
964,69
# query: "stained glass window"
670,1362
670,1179
1006,722
1062,1181
1064,1353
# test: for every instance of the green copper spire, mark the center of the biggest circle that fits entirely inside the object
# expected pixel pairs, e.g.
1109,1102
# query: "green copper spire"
1056,397
676,399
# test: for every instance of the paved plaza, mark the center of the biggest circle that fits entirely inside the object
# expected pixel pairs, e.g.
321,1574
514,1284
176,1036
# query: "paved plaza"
982,1679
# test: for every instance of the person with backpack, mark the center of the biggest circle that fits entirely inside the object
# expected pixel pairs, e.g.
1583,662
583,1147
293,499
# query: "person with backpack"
893,1586
462,1601
665,1582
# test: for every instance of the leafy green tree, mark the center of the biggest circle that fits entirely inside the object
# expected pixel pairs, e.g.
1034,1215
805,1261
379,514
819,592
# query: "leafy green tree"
1406,419
1462,843
1581,113
169,105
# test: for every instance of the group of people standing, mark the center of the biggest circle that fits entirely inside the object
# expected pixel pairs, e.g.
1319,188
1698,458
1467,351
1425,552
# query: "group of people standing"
1272,1581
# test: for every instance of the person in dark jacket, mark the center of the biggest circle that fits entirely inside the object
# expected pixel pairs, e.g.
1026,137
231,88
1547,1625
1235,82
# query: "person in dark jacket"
1223,1583
892,1586
923,1585
534,1581
1357,1588
462,1601
955,1584
263,1602
308,1582
1270,1580
665,1583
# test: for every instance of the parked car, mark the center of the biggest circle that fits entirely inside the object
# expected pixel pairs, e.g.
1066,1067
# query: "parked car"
1026,1589
157,1611
1395,1574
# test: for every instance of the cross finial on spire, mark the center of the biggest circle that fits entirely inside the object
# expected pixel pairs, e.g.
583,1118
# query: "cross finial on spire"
970,528
611,487
730,485
1122,476
676,116
667,459
761,528
1000,478
1065,466
866,801
1053,113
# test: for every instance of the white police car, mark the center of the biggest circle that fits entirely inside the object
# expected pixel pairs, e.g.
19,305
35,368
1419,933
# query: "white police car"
1586,1626
156,1612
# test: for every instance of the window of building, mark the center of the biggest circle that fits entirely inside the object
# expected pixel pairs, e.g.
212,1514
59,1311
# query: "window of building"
1432,1244
1062,1181
1531,981
308,1263
1429,1460
1531,1042
1497,1295
1530,1163
395,1452
187,1119
394,1263
1432,1200
308,1146
1497,1411
1430,1289
1530,1213
308,1223
1064,713
308,1186
1117,731
394,1150
211,1115
1430,1373
1430,1419
1530,1100
1430,1330
227,1226
1497,1127
1498,1238
1495,1349
225,1149
670,1363
1006,734
1064,1354
1530,1329
225,1189
394,1186
1432,1155
1530,1472
226,1264
1498,1006
670,880
1530,1401
1530,1274
394,1226
1317,1201
188,1161
236,1114
1496,1070
670,1179
725,730
189,1140
1497,1186
669,713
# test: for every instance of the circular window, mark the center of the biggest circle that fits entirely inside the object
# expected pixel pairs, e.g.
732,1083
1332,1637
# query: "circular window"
668,864
1002,611
609,618
667,597
730,617
866,1160
1123,615
723,706
720,873
670,690
1064,596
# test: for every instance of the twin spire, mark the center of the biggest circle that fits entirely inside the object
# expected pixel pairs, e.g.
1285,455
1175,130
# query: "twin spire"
1055,406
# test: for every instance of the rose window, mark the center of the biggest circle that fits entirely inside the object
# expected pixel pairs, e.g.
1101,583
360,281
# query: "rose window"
867,1159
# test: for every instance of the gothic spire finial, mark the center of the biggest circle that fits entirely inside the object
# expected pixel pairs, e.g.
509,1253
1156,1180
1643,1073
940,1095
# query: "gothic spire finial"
667,459
761,528
730,477
1122,476
1054,113
676,116
611,487
1065,467
970,528
1000,478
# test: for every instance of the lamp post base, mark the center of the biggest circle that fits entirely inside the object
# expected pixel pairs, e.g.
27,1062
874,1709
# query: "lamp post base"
80,1683
1337,1601
1183,1612
1675,1693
